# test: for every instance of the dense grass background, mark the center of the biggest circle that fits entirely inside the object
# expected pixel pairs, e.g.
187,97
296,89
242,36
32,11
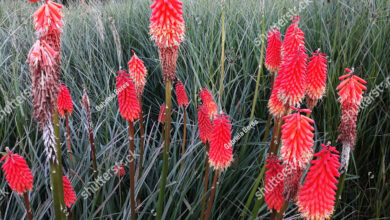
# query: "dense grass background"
352,33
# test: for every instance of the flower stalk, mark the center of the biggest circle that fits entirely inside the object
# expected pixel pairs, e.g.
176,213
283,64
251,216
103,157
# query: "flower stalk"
205,181
213,189
27,202
132,182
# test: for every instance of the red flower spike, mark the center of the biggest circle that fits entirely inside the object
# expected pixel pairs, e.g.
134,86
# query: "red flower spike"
17,173
275,106
48,18
167,25
181,94
208,101
315,78
204,124
69,194
292,78
137,72
297,137
273,183
273,57
119,170
294,38
351,89
127,97
161,115
220,153
64,101
317,195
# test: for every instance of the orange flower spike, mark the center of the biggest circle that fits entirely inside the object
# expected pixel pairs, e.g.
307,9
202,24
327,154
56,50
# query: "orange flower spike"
294,38
207,99
181,95
69,194
351,88
292,78
17,173
317,196
315,78
273,57
204,124
161,115
273,185
48,18
275,106
127,97
138,72
297,137
221,153
64,101
167,25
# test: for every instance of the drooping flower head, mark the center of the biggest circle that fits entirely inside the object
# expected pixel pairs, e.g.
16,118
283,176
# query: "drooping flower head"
181,94
294,38
17,173
315,78
317,196
274,183
137,71
48,18
275,106
119,170
208,101
204,124
64,101
297,138
221,153
161,115
167,25
292,77
273,57
127,97
69,194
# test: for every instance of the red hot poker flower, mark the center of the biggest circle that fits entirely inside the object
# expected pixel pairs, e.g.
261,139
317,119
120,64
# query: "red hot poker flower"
273,57
220,153
127,97
181,94
292,78
315,78
208,101
161,115
137,71
48,18
275,106
294,38
204,124
351,88
274,183
119,170
69,194
64,101
297,137
17,173
167,25
316,197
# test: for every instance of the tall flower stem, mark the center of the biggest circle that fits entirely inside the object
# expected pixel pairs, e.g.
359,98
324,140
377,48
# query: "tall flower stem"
93,152
282,210
168,101
56,174
132,195
205,181
259,72
183,147
222,52
142,141
213,189
68,140
27,202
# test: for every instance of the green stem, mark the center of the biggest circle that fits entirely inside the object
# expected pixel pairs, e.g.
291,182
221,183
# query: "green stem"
211,200
132,182
259,72
68,140
222,54
269,115
183,147
168,101
205,181
56,174
340,188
